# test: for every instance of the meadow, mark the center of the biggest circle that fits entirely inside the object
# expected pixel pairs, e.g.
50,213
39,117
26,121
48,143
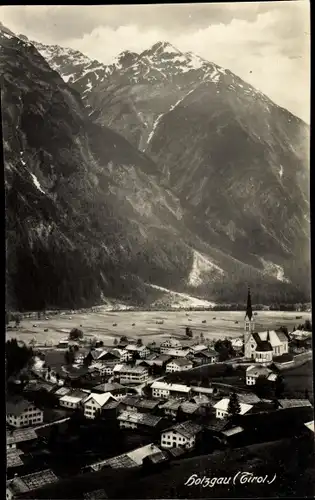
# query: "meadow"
149,326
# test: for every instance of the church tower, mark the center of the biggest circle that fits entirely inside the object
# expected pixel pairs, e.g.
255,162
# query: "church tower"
249,326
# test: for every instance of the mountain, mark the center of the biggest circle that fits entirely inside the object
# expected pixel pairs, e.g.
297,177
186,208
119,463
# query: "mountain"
85,215
238,162
89,215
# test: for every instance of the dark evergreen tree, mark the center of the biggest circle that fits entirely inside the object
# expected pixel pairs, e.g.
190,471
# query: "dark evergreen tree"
234,407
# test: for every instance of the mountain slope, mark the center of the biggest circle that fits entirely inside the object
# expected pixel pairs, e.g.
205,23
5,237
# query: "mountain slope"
89,215
84,212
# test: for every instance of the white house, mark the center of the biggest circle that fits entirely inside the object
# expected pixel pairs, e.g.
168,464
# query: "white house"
102,368
141,350
134,420
131,374
162,389
170,344
184,434
124,355
95,402
73,400
22,413
178,365
176,353
255,371
221,408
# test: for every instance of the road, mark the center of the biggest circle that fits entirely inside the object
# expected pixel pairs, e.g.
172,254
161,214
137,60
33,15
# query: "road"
51,423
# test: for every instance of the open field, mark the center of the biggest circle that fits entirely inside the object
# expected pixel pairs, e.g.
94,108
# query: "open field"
219,324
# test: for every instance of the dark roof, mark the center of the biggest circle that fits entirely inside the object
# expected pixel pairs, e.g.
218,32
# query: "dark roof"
21,435
95,495
159,457
294,403
217,425
187,429
263,346
16,405
177,451
108,387
181,362
286,419
138,402
208,353
249,310
38,385
189,407
111,405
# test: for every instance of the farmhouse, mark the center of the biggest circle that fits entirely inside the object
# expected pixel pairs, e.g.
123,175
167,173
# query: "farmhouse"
176,353
30,482
184,434
206,356
73,399
178,365
253,372
136,403
95,403
123,355
141,350
198,348
133,458
170,344
170,408
136,420
221,408
102,368
20,436
162,389
131,374
22,413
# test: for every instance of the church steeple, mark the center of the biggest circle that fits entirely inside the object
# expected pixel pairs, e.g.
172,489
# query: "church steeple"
249,310
249,325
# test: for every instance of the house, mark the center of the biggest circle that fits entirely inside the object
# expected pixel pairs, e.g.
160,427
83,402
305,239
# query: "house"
165,390
117,390
94,403
206,391
107,355
255,371
22,413
176,353
102,368
136,403
13,458
184,434
310,425
20,436
136,420
191,409
63,344
221,408
198,348
294,403
73,399
206,356
170,408
178,365
170,344
161,360
133,458
30,482
62,391
141,350
131,374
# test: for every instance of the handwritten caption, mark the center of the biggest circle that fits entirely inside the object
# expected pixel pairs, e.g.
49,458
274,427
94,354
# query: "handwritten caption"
239,478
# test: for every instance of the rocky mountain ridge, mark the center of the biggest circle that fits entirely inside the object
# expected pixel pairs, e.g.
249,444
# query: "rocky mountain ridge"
103,218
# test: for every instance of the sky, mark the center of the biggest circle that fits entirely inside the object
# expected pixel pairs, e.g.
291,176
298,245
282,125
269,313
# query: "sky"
265,43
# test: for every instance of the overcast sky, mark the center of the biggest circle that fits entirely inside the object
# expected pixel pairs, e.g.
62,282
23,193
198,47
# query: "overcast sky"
265,43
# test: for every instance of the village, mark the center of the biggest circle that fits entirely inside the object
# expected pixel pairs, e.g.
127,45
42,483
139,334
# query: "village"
79,411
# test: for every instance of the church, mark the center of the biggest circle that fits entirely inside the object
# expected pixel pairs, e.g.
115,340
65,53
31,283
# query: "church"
262,347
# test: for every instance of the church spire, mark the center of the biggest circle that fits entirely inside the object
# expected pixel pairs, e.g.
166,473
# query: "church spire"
249,310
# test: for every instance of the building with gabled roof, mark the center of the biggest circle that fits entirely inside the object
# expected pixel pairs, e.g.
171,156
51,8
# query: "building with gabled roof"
22,413
184,434
162,389
255,371
135,420
95,402
29,482
221,408
294,403
177,365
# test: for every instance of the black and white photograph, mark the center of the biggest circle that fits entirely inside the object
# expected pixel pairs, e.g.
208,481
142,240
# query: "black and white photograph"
158,310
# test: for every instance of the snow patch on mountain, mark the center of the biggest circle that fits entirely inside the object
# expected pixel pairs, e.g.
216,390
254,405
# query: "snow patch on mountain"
36,183
274,270
177,300
155,124
201,266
